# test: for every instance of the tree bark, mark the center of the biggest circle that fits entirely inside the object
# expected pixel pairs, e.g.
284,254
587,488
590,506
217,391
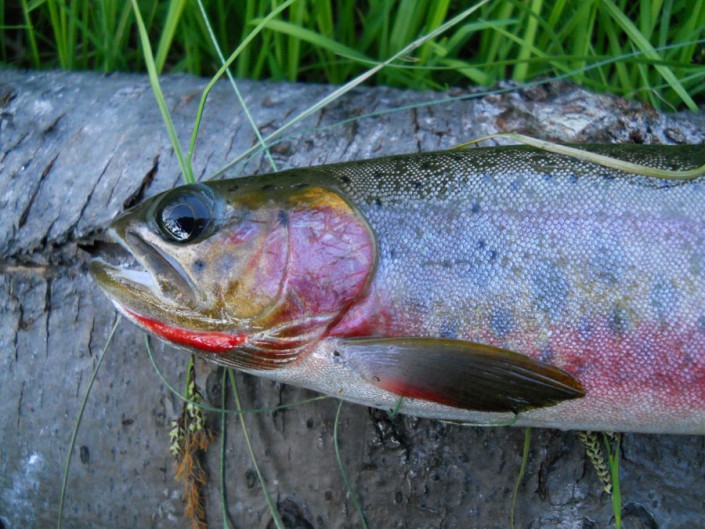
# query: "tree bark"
76,149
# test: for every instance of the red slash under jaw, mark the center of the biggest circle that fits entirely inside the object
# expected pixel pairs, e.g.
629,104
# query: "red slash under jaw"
209,341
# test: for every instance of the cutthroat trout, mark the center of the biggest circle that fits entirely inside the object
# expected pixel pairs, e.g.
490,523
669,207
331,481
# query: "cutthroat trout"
485,285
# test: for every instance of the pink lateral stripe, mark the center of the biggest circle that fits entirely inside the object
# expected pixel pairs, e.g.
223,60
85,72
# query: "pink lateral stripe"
212,342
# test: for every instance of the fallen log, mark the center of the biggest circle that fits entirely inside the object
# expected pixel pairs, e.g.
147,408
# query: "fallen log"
76,149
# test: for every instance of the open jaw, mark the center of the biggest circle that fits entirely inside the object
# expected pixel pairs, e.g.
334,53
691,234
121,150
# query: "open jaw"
158,282
161,298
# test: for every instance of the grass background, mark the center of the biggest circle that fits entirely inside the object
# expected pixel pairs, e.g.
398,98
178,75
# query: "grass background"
652,50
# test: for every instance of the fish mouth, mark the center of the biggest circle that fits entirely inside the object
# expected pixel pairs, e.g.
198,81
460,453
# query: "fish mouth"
165,272
147,281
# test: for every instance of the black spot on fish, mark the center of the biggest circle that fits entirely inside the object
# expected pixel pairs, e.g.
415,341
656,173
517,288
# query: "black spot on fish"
416,184
573,178
377,174
267,187
475,207
345,179
607,265
585,330
445,263
700,324
480,244
199,265
492,256
619,321
697,265
283,217
664,298
502,322
378,202
426,165
550,288
516,185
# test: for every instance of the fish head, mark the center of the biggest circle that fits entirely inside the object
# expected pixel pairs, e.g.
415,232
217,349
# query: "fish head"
258,262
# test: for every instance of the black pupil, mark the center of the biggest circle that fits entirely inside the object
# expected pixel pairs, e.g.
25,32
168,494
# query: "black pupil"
185,217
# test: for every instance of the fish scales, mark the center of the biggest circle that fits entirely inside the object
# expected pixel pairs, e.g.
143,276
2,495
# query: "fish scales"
597,272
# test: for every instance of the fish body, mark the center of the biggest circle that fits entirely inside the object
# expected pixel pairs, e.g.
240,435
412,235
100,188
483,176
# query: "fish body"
484,285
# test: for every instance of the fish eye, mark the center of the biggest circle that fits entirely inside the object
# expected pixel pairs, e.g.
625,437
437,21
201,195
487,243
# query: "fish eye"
185,214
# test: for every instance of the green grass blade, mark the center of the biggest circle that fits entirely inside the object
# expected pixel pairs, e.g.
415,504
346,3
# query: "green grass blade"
600,159
520,477
606,61
313,38
223,415
176,9
30,35
529,41
205,407
71,34
643,44
613,456
72,443
268,498
186,169
245,42
343,474
357,81
241,100
59,33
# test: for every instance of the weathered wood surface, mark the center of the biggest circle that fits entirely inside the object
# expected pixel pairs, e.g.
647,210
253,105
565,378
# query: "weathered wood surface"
75,149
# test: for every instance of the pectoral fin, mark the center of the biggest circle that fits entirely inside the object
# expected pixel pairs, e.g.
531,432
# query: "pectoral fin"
459,374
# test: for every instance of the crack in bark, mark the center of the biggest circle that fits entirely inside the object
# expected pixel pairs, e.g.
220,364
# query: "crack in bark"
78,384
19,325
351,139
13,147
74,227
19,404
48,312
231,143
147,180
33,196
205,167
91,331
51,126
